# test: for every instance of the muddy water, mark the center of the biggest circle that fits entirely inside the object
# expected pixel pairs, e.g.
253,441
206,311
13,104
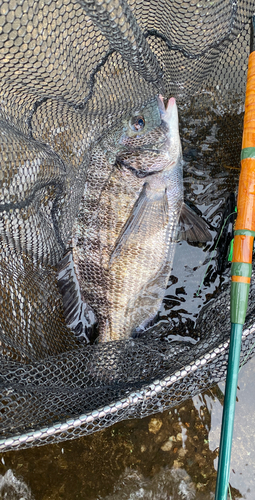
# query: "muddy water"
172,455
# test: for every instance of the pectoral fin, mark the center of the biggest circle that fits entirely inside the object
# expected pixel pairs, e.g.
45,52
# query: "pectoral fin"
192,227
149,214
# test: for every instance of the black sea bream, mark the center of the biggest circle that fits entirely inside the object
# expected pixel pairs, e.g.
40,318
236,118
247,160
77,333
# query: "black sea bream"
130,216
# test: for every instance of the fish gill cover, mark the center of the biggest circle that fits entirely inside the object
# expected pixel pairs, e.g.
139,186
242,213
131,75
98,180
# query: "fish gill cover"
72,74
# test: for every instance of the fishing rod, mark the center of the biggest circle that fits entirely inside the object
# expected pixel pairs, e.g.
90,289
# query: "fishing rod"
241,270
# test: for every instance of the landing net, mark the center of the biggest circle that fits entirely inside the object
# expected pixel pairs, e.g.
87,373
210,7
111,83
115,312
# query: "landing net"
69,72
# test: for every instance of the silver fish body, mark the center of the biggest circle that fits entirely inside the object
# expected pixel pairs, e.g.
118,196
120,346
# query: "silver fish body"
124,235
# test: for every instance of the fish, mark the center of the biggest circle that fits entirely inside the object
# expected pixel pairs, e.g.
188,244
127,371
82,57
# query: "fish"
130,217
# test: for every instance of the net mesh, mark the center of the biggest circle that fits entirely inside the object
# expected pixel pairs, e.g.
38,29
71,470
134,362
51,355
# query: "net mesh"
69,72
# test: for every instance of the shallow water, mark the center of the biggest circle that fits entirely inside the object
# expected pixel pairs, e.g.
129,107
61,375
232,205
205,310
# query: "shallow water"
169,456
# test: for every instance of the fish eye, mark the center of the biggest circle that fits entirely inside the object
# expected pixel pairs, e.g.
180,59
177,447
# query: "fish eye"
137,123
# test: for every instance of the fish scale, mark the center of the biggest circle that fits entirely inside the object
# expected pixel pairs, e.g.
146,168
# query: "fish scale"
125,232
86,244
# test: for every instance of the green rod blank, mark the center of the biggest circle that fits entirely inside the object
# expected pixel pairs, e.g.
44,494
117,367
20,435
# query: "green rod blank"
228,412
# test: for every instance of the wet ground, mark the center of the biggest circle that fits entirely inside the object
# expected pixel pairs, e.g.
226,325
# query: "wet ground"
171,455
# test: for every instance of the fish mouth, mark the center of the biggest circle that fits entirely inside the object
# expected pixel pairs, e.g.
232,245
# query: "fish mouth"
171,103
169,114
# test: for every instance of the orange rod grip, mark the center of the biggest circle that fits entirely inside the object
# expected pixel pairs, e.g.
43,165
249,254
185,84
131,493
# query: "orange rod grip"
246,195
246,190
242,248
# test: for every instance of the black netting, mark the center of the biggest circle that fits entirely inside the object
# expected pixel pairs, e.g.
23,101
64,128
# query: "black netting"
69,73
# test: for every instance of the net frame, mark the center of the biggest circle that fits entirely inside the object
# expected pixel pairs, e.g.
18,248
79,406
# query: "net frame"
134,54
